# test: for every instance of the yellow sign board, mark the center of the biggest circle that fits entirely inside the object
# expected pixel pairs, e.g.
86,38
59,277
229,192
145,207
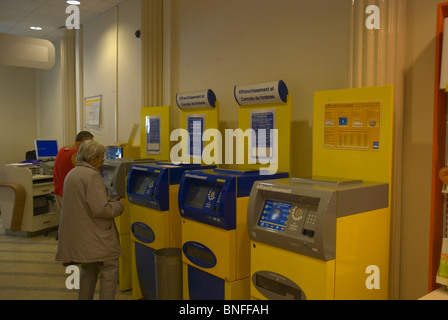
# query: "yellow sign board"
352,125
353,133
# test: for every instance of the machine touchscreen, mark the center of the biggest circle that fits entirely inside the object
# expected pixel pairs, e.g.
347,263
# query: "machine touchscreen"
275,214
107,174
197,195
206,197
142,184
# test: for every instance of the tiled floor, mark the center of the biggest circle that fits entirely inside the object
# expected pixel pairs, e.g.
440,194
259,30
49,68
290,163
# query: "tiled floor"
28,270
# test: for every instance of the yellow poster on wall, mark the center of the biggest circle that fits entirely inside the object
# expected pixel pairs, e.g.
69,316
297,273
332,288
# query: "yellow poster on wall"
92,112
352,125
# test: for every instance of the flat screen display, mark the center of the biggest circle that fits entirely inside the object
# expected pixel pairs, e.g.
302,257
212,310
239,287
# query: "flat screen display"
46,149
274,215
197,196
142,183
114,153
107,175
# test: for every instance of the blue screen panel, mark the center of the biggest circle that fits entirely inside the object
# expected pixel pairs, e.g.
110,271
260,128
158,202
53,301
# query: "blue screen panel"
46,148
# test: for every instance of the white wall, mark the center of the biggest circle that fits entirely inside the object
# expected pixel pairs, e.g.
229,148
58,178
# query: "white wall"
129,70
219,44
49,101
113,64
18,112
31,106
100,70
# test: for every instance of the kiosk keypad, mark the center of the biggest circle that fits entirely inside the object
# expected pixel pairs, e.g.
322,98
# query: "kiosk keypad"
309,225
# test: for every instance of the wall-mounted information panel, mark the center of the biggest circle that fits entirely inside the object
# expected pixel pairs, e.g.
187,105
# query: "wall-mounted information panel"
352,125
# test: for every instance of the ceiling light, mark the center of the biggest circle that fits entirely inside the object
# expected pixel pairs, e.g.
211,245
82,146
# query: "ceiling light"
35,28
73,2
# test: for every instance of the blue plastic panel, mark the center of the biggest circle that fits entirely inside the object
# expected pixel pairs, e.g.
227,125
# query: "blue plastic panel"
202,196
209,196
148,184
199,254
146,270
204,286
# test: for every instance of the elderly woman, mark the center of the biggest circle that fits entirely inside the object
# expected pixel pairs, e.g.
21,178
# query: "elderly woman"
87,232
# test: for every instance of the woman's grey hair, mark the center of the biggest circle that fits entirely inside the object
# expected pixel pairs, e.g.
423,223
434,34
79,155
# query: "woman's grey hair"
90,150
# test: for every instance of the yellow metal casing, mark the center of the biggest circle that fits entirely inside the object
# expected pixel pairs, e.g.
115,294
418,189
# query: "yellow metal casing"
362,240
124,228
185,292
167,230
131,152
315,277
231,247
165,224
136,290
122,222
221,242
125,263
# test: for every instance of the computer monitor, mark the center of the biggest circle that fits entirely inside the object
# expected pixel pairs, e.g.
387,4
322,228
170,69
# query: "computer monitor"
46,149
114,152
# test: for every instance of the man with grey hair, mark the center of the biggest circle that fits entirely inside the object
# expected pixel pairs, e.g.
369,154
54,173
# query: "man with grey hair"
87,232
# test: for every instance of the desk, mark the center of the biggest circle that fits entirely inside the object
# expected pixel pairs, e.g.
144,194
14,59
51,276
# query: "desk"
39,210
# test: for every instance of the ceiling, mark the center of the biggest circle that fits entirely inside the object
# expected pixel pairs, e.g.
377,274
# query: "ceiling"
16,16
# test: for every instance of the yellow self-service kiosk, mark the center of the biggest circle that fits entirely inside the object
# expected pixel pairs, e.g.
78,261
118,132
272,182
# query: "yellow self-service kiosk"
155,221
215,243
213,203
153,189
319,239
328,237
114,173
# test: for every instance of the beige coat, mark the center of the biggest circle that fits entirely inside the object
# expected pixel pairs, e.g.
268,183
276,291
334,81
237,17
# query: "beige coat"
87,231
